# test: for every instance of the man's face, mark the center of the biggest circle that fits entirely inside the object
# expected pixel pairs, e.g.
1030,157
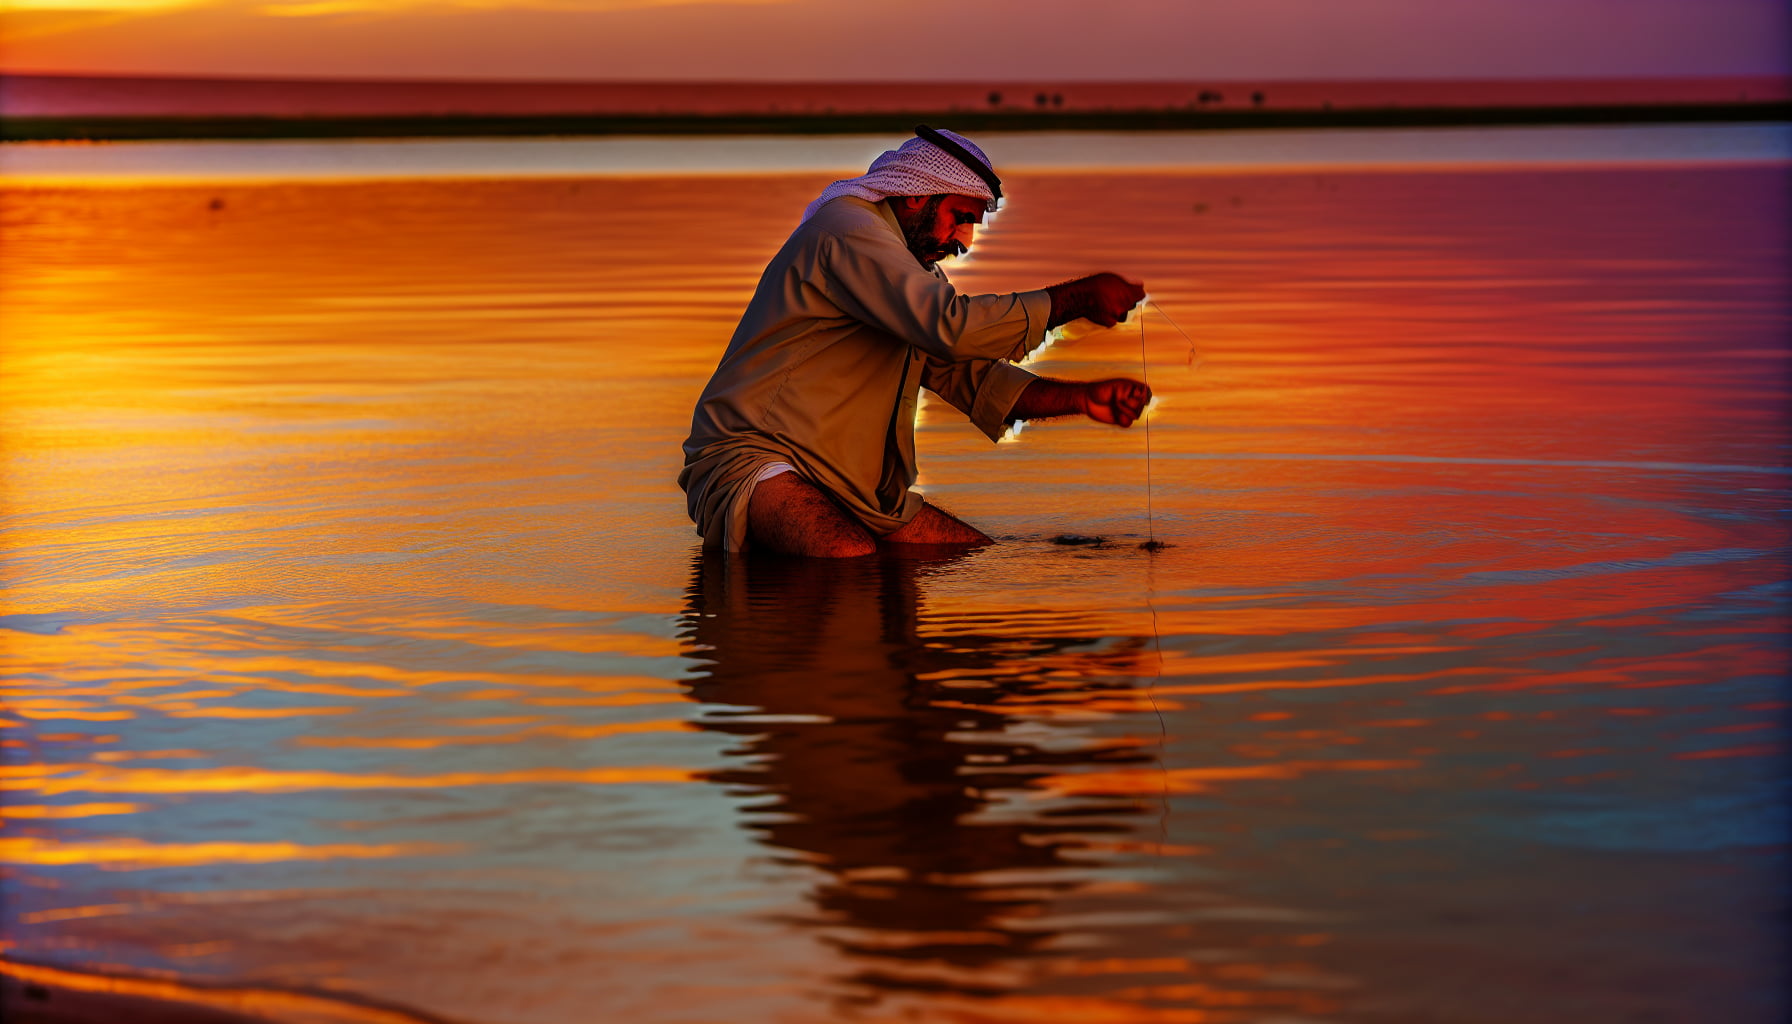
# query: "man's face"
942,226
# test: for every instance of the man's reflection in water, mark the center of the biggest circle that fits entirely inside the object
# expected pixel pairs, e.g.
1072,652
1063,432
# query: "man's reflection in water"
886,741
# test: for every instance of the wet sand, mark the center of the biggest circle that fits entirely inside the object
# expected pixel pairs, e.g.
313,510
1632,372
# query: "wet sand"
34,994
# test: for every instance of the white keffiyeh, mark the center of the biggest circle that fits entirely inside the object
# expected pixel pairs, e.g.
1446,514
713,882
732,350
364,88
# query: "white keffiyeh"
916,168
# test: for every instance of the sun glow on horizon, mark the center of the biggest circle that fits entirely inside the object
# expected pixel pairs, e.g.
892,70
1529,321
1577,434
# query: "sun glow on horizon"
94,6
279,8
1134,40
49,20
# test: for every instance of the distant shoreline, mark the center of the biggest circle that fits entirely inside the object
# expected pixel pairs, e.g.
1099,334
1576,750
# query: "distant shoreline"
170,128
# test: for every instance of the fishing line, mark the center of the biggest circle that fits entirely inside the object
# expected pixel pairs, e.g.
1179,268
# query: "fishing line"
1163,730
1145,414
1152,546
1194,355
1194,363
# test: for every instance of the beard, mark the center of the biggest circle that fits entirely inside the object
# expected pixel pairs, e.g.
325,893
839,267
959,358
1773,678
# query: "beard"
919,234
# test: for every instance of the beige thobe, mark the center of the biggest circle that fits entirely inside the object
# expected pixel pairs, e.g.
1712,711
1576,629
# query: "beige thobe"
825,370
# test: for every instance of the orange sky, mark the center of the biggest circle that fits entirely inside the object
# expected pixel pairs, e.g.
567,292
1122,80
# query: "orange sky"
1063,40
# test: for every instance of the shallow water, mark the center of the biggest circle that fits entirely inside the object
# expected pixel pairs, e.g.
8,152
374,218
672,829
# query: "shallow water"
356,640
137,164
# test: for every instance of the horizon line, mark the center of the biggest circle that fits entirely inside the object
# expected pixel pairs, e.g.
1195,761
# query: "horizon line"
1784,78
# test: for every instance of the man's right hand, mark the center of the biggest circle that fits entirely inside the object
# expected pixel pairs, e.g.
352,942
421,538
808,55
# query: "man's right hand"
1104,299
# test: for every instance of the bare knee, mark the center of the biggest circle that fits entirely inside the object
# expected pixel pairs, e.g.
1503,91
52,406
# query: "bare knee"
934,525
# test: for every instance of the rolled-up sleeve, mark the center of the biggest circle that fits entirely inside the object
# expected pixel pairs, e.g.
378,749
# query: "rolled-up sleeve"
983,389
873,278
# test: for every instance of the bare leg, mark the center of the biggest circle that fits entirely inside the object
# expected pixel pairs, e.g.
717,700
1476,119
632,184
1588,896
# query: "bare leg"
936,526
791,515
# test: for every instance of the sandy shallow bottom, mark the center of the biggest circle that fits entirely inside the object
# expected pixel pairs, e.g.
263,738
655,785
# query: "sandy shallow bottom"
37,995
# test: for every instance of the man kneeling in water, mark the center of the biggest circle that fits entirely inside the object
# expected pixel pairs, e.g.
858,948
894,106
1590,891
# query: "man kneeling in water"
804,440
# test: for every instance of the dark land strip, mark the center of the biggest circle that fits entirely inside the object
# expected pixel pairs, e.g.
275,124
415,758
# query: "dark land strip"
121,129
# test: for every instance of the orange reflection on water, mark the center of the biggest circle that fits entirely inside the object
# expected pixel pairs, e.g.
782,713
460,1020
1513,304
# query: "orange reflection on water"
258,712
77,913
1200,780
1460,444
1642,672
184,697
201,898
38,811
589,732
255,780
1750,750
1130,1006
130,854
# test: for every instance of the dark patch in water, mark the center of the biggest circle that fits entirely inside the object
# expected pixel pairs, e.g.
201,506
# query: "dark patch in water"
24,622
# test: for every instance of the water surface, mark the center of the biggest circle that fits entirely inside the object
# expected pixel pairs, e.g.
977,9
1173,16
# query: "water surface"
137,164
356,641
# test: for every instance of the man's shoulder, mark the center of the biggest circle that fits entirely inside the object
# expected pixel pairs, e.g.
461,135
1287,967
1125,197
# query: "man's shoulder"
847,215
855,221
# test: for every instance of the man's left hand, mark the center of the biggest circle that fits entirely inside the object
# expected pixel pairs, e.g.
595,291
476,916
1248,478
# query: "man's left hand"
1118,401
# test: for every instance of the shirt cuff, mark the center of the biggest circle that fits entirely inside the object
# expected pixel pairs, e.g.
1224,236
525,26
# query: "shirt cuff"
1001,388
1039,317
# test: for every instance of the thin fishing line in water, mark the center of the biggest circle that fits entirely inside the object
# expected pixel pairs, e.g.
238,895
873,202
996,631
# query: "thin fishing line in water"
1194,363
1163,730
1152,546
1151,543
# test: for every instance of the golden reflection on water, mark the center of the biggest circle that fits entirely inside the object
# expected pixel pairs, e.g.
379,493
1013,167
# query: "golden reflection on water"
353,637
132,853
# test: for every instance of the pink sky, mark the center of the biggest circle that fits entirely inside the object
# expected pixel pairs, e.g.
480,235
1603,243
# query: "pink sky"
957,40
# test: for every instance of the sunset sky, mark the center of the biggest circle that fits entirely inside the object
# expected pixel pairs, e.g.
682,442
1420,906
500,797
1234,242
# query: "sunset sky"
1063,40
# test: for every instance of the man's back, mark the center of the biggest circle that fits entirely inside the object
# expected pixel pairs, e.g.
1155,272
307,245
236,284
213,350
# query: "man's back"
823,370
803,440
